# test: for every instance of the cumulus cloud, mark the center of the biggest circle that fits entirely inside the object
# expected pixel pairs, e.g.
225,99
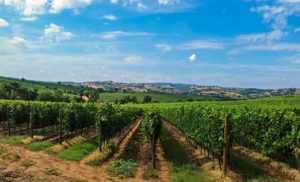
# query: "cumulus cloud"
27,7
110,17
19,42
59,5
55,33
261,37
3,23
193,58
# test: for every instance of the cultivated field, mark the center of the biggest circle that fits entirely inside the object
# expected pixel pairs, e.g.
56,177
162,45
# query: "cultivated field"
254,140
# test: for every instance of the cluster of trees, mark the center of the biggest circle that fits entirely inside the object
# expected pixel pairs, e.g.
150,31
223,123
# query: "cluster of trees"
127,99
14,91
132,99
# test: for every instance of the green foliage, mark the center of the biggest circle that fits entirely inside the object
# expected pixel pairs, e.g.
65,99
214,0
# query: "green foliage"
114,119
52,172
122,168
147,99
79,151
37,146
151,126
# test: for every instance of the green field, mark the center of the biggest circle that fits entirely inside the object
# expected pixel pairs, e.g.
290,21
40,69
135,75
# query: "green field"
156,97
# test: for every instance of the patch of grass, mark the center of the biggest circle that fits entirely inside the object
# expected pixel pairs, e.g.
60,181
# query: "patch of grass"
52,172
80,180
97,158
28,164
122,168
2,149
182,169
251,171
13,157
37,146
14,140
151,173
79,151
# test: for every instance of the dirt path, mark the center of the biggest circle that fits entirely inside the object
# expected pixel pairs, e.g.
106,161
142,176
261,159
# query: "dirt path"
123,145
68,169
164,166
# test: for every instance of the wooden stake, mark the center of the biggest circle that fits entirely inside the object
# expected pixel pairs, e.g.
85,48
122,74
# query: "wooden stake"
8,122
99,134
31,124
60,115
226,145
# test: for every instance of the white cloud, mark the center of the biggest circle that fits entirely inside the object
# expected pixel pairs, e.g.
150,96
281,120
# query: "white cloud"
110,17
193,58
133,59
116,34
55,33
19,42
278,12
28,18
27,7
168,2
292,59
141,6
3,23
289,1
59,5
200,44
114,1
261,37
266,47
34,7
164,47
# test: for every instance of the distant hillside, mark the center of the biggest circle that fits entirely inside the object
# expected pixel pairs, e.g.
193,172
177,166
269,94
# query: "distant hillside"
161,92
76,89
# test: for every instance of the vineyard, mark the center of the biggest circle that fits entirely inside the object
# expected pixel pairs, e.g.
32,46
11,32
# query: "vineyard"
117,137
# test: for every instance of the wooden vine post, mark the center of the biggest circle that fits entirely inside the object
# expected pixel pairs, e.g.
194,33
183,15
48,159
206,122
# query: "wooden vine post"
99,127
60,120
31,123
226,145
8,121
153,143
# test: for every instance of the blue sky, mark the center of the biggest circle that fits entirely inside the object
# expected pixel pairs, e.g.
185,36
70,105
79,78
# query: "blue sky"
232,43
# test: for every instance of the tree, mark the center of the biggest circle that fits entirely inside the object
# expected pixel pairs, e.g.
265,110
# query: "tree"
147,99
93,96
11,89
127,99
46,96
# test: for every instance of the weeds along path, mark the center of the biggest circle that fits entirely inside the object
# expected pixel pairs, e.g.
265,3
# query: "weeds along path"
264,165
122,146
68,169
207,165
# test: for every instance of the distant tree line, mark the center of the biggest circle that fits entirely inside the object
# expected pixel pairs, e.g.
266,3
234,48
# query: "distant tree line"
15,91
